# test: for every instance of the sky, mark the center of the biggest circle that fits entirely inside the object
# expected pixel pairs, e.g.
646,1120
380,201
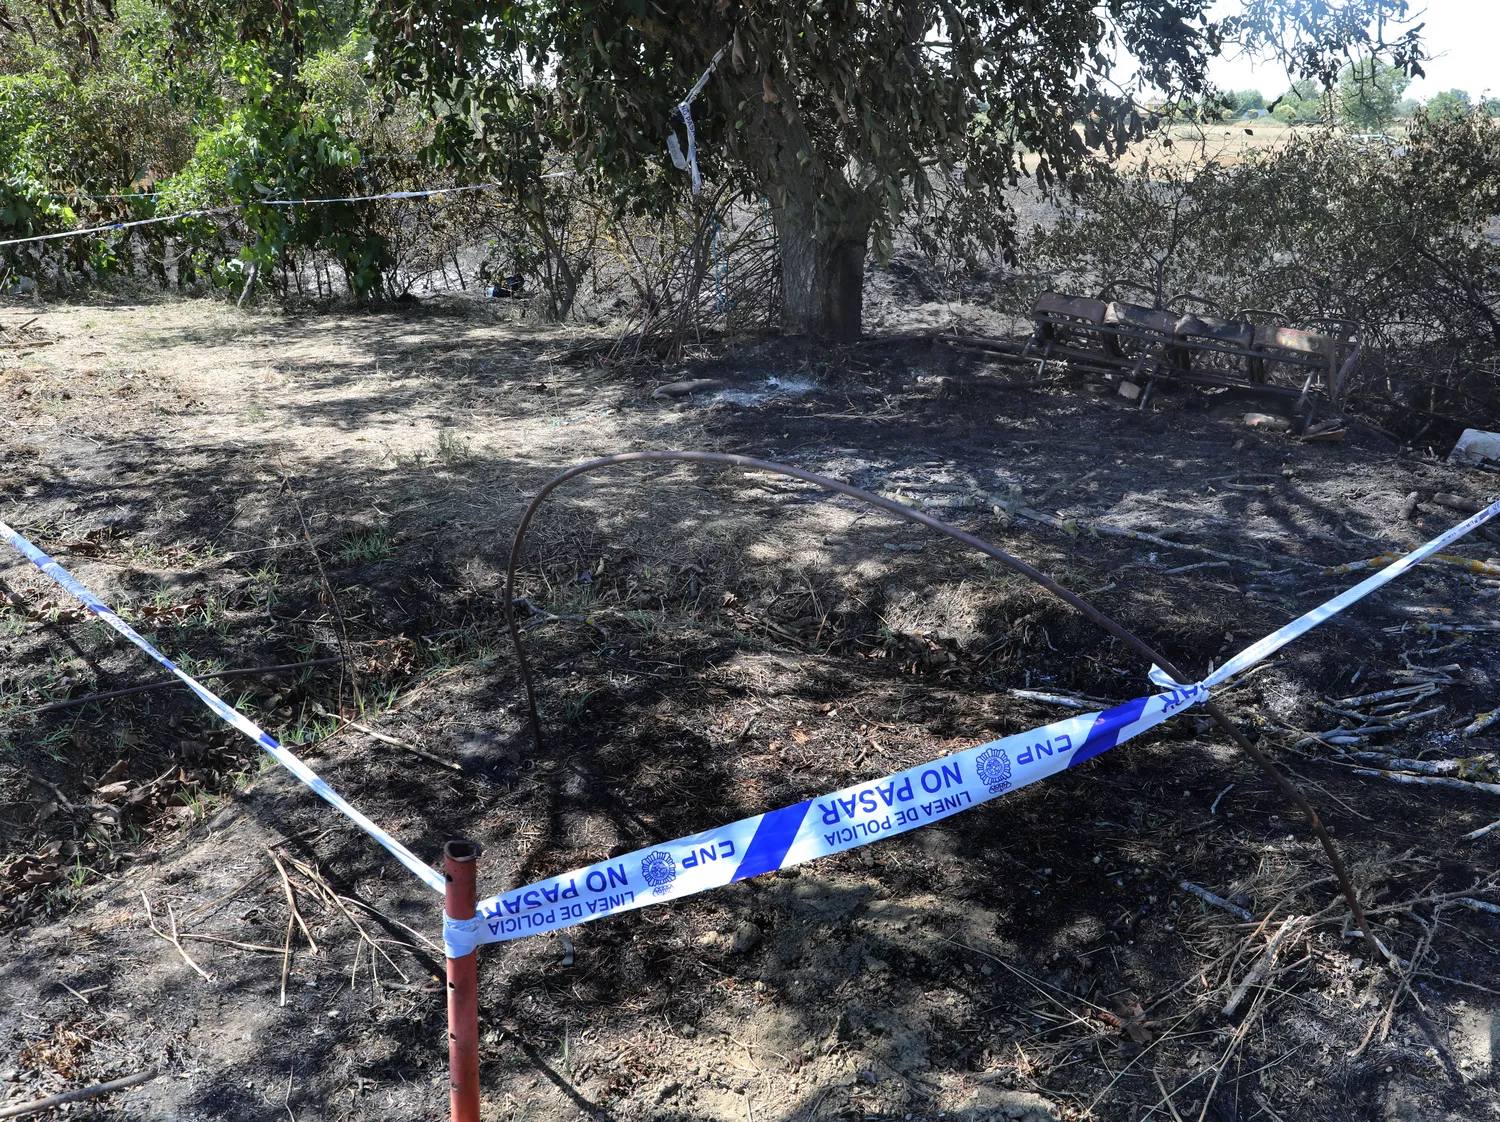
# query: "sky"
1463,36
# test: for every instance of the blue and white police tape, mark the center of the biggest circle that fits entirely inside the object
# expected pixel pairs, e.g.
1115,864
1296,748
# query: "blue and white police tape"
116,226
782,838
688,161
224,711
1300,626
273,202
846,819
885,807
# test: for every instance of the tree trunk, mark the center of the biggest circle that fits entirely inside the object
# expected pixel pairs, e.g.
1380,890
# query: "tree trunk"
822,276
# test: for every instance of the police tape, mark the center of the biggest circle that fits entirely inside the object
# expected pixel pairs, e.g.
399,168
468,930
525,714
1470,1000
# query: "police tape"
885,807
845,819
117,226
1300,626
224,711
397,195
683,110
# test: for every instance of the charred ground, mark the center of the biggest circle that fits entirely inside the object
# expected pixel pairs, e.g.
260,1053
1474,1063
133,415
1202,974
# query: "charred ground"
262,489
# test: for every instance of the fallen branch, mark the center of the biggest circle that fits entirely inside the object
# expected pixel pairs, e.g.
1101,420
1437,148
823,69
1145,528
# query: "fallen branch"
1460,768
1428,780
1482,722
1053,699
81,1095
1468,565
413,749
1074,528
1480,905
1405,692
165,682
1196,565
1208,897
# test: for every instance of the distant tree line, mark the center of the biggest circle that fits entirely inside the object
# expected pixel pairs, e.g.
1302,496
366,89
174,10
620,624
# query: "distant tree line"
1368,95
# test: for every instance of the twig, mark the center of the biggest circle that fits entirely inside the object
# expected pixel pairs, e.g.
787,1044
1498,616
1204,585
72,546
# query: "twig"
1482,831
230,895
1166,1095
378,914
54,788
1234,1043
1262,1101
252,882
37,1105
326,889
172,938
1189,569
333,599
1218,901
413,749
286,956
1214,809
291,900
1051,698
229,942
1069,526
1261,968
1479,905
1407,692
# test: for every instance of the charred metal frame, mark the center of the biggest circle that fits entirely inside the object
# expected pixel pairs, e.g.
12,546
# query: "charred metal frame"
1170,339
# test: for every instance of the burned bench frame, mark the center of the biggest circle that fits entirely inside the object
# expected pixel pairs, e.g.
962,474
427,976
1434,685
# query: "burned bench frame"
1152,344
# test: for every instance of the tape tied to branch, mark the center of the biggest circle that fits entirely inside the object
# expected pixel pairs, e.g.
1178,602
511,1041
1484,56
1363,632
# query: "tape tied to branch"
683,110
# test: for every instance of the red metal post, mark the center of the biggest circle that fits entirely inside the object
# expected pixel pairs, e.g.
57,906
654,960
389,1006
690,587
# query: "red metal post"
460,859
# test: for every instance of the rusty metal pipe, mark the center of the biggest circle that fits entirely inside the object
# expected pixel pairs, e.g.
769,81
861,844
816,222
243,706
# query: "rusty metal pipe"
906,513
460,864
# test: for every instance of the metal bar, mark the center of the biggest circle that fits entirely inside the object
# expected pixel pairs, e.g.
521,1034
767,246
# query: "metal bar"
460,862
1319,362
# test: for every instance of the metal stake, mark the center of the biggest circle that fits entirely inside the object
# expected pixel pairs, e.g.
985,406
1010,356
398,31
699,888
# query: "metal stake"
460,859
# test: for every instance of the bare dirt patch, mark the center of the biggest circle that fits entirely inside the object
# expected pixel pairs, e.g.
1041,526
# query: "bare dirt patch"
709,645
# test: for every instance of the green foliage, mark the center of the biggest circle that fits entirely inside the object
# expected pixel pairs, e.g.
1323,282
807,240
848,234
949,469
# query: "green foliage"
1319,39
1448,104
1304,103
1368,92
26,209
846,116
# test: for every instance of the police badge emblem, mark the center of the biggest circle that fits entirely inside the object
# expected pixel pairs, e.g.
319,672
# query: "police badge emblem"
659,871
993,766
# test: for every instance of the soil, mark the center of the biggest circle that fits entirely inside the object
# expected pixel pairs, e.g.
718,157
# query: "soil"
259,488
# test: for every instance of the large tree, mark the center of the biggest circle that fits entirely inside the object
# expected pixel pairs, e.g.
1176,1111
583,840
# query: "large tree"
1368,92
845,115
